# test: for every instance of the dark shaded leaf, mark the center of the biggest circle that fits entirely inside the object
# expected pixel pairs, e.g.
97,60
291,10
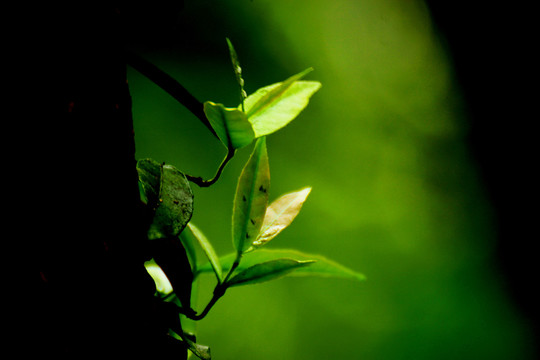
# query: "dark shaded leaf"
169,196
149,178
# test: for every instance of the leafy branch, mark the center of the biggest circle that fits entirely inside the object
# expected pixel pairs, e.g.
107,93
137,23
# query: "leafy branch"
169,205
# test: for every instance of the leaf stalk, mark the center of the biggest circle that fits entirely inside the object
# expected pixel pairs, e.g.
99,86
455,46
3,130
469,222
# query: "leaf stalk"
219,291
206,183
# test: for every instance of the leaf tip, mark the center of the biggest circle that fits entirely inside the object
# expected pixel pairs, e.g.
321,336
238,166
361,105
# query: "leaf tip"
305,72
231,49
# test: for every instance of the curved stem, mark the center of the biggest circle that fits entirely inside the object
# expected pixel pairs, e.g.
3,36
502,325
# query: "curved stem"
205,183
233,267
219,291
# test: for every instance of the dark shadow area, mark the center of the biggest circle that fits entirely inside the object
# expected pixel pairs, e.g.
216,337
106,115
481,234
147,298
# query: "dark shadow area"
492,50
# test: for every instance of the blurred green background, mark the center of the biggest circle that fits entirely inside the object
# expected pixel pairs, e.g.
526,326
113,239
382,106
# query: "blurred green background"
396,194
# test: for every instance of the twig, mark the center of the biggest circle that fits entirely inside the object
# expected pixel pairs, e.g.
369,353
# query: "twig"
170,85
219,291
205,183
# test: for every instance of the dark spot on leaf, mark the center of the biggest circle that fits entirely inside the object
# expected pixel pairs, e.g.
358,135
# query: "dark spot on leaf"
176,202
244,198
247,236
262,189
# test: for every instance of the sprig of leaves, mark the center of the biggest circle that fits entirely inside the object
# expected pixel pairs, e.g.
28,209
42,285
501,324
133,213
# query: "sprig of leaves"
262,113
169,205
254,224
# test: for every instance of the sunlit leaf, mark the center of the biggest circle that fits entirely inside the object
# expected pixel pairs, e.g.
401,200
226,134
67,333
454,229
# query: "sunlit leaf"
169,196
266,271
274,106
163,285
251,198
208,250
172,258
280,214
231,125
323,267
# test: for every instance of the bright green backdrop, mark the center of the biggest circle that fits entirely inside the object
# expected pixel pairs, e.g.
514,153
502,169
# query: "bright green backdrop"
395,192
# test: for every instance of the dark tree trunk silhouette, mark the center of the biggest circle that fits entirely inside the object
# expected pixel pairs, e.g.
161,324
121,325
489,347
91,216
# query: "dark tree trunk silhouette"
95,296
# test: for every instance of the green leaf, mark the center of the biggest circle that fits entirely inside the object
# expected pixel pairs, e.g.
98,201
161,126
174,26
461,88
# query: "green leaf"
231,125
142,193
200,351
172,258
324,267
251,198
280,214
169,196
149,172
266,271
273,107
188,241
237,69
208,250
163,285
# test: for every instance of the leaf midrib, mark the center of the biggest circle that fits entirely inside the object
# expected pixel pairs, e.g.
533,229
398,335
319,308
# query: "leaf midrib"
250,204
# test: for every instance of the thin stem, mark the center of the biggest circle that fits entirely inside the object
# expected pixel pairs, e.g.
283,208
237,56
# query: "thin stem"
233,267
219,291
205,183
170,85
